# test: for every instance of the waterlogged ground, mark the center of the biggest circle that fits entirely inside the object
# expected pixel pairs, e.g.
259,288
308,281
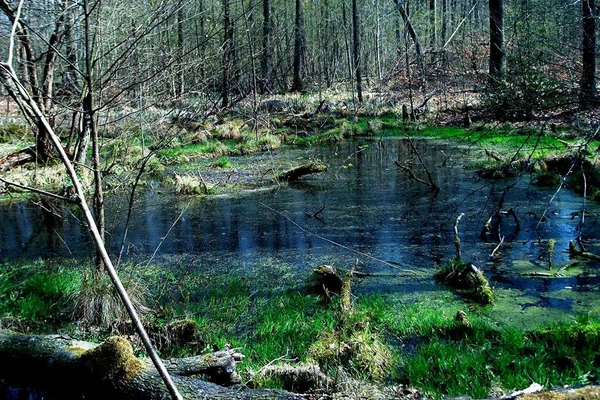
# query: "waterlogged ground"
374,213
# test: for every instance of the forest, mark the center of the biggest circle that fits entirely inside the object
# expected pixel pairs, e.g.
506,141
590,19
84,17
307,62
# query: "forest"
309,199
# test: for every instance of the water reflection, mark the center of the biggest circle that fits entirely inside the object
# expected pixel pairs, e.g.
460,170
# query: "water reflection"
371,206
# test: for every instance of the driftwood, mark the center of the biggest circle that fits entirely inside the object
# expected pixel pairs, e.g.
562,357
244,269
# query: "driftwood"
304,169
17,158
575,252
71,369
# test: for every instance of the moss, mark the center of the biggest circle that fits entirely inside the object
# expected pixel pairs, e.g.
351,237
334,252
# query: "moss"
468,279
77,350
113,359
208,359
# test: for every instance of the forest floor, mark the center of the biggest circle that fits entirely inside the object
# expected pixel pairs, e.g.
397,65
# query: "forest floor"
370,347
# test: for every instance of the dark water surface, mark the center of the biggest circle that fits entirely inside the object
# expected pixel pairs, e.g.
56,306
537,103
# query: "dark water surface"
371,207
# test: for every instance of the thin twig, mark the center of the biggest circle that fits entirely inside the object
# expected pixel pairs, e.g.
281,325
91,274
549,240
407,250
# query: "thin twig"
39,191
497,247
130,206
336,243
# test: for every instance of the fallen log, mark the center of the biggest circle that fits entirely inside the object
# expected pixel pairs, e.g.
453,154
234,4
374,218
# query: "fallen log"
304,169
575,252
17,158
73,369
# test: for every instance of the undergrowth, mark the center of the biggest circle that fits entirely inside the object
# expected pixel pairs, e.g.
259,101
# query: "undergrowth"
430,344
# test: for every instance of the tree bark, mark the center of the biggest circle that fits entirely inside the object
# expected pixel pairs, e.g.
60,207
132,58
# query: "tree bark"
409,26
266,48
227,53
432,25
72,369
297,84
588,93
180,50
497,53
356,50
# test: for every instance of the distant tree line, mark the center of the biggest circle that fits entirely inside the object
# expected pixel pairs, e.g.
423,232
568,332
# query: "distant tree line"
88,56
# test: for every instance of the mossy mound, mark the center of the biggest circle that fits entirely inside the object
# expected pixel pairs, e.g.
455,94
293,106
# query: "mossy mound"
358,348
113,359
468,279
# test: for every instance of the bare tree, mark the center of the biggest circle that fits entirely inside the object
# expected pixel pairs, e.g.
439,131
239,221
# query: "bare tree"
297,84
588,92
497,51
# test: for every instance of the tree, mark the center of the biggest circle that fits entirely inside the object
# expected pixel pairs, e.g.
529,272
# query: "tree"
497,69
228,50
356,51
266,48
588,92
42,94
297,84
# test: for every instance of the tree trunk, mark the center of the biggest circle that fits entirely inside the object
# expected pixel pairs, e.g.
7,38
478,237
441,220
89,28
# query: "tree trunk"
432,25
41,95
409,26
180,50
72,369
497,53
588,94
356,51
227,52
266,48
444,21
305,169
297,85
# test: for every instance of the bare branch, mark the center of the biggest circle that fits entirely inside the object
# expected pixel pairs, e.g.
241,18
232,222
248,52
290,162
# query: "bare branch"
11,45
38,191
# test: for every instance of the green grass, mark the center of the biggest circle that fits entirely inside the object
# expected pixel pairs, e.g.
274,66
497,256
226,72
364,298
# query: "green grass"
445,358
37,291
426,346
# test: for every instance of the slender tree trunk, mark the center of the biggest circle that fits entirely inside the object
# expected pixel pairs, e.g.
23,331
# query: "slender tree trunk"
266,47
444,21
497,52
356,51
227,50
588,93
378,40
202,46
298,49
180,49
42,95
409,26
432,25
90,123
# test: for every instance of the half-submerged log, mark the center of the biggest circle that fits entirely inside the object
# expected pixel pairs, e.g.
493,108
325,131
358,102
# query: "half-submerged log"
72,369
468,279
296,173
578,252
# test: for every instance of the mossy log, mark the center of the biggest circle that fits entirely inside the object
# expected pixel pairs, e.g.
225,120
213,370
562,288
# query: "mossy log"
17,158
72,369
467,278
304,169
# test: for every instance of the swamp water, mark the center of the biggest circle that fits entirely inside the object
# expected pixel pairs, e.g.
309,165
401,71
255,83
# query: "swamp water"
374,212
